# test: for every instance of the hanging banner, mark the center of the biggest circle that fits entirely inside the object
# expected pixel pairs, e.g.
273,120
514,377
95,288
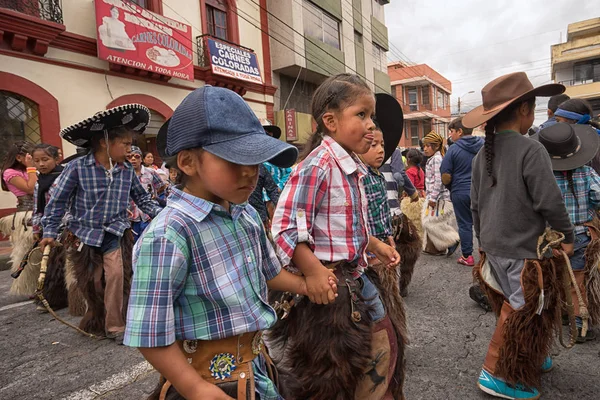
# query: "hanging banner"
232,61
135,37
291,133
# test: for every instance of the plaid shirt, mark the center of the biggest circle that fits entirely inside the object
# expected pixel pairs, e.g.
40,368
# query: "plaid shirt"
95,204
586,184
152,183
201,273
324,205
380,216
434,189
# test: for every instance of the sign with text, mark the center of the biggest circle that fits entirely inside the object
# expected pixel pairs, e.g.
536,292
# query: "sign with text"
232,61
135,37
291,133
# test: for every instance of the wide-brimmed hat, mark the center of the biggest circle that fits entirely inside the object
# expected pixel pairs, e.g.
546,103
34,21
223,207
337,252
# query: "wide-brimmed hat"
271,129
570,146
204,119
161,139
134,117
390,119
504,91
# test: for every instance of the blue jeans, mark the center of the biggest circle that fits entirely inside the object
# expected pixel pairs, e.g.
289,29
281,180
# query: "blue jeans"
462,208
580,245
371,295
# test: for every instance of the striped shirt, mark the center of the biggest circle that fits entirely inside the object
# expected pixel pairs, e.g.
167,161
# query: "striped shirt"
150,181
434,189
201,272
96,204
324,205
581,207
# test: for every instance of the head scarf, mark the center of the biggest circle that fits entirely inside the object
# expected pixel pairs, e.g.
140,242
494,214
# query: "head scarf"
136,150
435,138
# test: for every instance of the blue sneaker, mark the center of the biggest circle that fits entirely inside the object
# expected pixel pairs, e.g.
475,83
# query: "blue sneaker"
548,364
498,388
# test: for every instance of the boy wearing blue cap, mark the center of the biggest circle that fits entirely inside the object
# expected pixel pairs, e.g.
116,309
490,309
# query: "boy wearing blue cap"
202,268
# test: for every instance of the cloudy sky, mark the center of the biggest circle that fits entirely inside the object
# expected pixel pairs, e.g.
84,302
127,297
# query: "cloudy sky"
471,42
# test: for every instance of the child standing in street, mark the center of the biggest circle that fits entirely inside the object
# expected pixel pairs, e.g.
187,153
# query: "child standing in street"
203,267
513,197
456,176
320,229
95,189
414,158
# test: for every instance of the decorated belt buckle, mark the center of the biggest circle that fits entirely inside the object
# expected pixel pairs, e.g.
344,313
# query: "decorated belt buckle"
190,346
257,343
222,366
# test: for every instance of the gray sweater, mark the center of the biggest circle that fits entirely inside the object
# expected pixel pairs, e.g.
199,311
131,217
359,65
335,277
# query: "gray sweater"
509,217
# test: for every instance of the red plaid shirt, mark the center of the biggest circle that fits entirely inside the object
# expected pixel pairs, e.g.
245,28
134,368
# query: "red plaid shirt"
324,205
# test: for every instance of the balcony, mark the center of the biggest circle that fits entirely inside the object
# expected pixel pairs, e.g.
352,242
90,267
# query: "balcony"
30,25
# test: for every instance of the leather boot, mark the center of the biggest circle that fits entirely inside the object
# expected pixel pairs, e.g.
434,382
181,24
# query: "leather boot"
497,339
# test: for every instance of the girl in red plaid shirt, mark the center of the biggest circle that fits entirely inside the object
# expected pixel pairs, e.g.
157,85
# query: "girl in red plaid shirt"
320,229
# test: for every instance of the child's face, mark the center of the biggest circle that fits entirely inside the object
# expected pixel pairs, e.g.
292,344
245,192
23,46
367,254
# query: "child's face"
120,148
353,127
149,159
136,160
374,157
428,149
455,134
172,174
43,162
217,180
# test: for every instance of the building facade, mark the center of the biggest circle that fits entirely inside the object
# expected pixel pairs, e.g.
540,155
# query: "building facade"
425,98
576,63
62,61
314,39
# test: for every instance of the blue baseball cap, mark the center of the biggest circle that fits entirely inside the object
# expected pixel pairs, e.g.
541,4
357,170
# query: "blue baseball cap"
219,121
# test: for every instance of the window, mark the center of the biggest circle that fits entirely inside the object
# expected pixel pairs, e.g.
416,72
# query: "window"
216,18
379,58
587,71
425,95
426,127
440,128
411,98
19,120
441,99
320,25
378,10
414,133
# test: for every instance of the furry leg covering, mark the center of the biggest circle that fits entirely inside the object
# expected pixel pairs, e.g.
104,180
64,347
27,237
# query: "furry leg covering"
76,301
527,335
55,288
21,241
494,295
592,272
386,281
87,266
408,244
325,352
414,211
439,228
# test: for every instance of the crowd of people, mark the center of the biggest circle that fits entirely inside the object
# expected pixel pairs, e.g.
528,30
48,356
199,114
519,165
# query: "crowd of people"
237,235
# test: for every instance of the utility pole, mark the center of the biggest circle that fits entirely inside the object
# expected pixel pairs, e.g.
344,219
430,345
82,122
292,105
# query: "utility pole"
459,106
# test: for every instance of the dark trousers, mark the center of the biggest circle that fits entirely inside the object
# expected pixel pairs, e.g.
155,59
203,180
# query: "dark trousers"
464,218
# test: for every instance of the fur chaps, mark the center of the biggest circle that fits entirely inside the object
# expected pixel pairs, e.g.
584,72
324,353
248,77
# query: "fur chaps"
21,240
408,245
439,229
323,353
527,335
55,288
592,272
414,211
85,263
77,304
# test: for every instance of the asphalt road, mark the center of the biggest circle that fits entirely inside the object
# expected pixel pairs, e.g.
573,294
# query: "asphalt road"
43,359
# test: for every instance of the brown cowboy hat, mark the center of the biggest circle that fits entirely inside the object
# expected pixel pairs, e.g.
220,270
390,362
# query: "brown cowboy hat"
504,91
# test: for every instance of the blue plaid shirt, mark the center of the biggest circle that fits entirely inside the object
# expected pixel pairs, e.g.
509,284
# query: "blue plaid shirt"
201,272
95,204
586,184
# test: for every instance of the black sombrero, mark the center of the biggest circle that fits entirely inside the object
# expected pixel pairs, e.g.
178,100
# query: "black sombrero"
131,116
390,119
271,129
161,139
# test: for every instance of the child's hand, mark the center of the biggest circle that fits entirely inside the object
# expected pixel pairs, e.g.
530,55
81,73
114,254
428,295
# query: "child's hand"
567,248
47,242
321,287
29,160
432,204
387,255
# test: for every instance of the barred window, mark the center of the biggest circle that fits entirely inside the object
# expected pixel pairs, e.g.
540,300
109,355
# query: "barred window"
320,25
19,120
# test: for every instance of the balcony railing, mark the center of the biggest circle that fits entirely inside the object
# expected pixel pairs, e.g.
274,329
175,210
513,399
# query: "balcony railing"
202,48
49,10
576,82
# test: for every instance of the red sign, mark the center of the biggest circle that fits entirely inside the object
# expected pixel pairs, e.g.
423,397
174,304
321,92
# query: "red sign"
133,36
291,133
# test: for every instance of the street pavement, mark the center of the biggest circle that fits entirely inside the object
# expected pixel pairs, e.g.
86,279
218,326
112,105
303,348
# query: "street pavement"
43,359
